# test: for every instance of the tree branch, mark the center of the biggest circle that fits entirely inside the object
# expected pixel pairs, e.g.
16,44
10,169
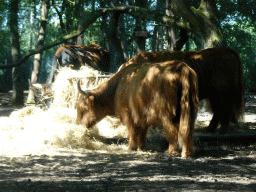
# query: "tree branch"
60,16
151,15
92,17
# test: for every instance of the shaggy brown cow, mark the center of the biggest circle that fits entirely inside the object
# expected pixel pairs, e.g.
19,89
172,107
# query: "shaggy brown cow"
161,94
93,55
220,80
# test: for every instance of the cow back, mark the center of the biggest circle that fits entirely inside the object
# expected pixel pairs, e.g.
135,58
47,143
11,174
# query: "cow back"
219,70
151,93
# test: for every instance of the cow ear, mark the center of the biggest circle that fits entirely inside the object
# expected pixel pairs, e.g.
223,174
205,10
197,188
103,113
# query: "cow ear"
91,100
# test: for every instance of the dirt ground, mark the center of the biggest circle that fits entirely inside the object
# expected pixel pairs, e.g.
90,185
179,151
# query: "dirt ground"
224,166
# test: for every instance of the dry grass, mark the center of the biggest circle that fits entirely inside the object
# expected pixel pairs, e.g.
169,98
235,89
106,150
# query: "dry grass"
65,85
32,128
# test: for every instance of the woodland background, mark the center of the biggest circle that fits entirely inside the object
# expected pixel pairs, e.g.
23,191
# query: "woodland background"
32,30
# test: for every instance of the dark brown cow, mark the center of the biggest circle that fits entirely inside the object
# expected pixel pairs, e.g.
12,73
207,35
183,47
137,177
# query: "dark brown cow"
76,56
161,94
220,80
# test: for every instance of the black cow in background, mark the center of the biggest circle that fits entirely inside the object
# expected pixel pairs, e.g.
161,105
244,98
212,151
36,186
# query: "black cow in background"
76,56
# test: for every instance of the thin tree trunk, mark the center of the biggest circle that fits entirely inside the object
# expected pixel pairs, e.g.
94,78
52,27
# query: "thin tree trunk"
172,32
123,38
41,38
114,43
140,26
38,57
17,97
80,14
32,23
158,34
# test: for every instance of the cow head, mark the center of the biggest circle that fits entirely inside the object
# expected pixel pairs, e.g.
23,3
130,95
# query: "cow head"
89,111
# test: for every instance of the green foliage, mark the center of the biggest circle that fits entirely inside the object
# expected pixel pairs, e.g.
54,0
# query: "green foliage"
237,17
238,24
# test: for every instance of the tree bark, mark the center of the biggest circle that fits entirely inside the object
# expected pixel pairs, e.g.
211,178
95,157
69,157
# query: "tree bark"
158,34
38,57
114,43
41,38
173,42
203,22
123,38
140,26
80,14
91,18
18,96
32,23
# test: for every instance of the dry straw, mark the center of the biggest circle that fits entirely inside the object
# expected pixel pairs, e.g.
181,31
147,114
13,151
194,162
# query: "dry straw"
37,128
65,85
32,127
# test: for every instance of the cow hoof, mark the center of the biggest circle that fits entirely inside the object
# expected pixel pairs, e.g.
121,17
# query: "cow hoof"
133,148
223,131
186,155
210,129
173,153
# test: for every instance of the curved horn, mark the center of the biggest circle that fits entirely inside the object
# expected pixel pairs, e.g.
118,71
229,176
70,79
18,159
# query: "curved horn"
85,93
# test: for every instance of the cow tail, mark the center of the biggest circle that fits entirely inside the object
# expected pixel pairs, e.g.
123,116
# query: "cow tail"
188,103
239,103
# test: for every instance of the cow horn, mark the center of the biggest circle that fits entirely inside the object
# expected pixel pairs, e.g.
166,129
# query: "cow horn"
86,93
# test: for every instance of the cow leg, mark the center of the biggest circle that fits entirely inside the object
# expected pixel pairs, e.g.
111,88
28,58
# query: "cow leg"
172,136
222,109
137,138
132,140
214,122
141,138
226,116
222,113
185,140
215,103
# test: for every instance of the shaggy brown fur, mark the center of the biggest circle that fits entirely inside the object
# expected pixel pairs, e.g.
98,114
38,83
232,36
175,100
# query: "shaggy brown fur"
220,79
161,94
76,56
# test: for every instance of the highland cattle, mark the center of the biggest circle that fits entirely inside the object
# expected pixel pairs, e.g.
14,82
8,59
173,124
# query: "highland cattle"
161,94
220,80
92,55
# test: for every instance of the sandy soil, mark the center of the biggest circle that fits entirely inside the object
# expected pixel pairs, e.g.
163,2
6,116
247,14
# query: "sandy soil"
220,167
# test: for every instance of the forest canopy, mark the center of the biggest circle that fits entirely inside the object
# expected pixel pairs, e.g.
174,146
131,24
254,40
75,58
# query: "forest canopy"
124,28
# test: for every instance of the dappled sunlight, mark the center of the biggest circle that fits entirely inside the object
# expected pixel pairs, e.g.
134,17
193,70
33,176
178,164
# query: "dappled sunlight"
28,134
35,131
32,130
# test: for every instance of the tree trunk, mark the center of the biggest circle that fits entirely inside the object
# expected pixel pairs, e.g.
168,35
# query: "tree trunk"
18,96
158,34
172,32
32,23
38,57
203,22
158,39
114,43
123,38
103,26
80,14
42,32
140,26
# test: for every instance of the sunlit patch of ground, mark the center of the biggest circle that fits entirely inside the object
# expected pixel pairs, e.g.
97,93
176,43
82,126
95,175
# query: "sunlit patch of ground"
44,150
32,130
